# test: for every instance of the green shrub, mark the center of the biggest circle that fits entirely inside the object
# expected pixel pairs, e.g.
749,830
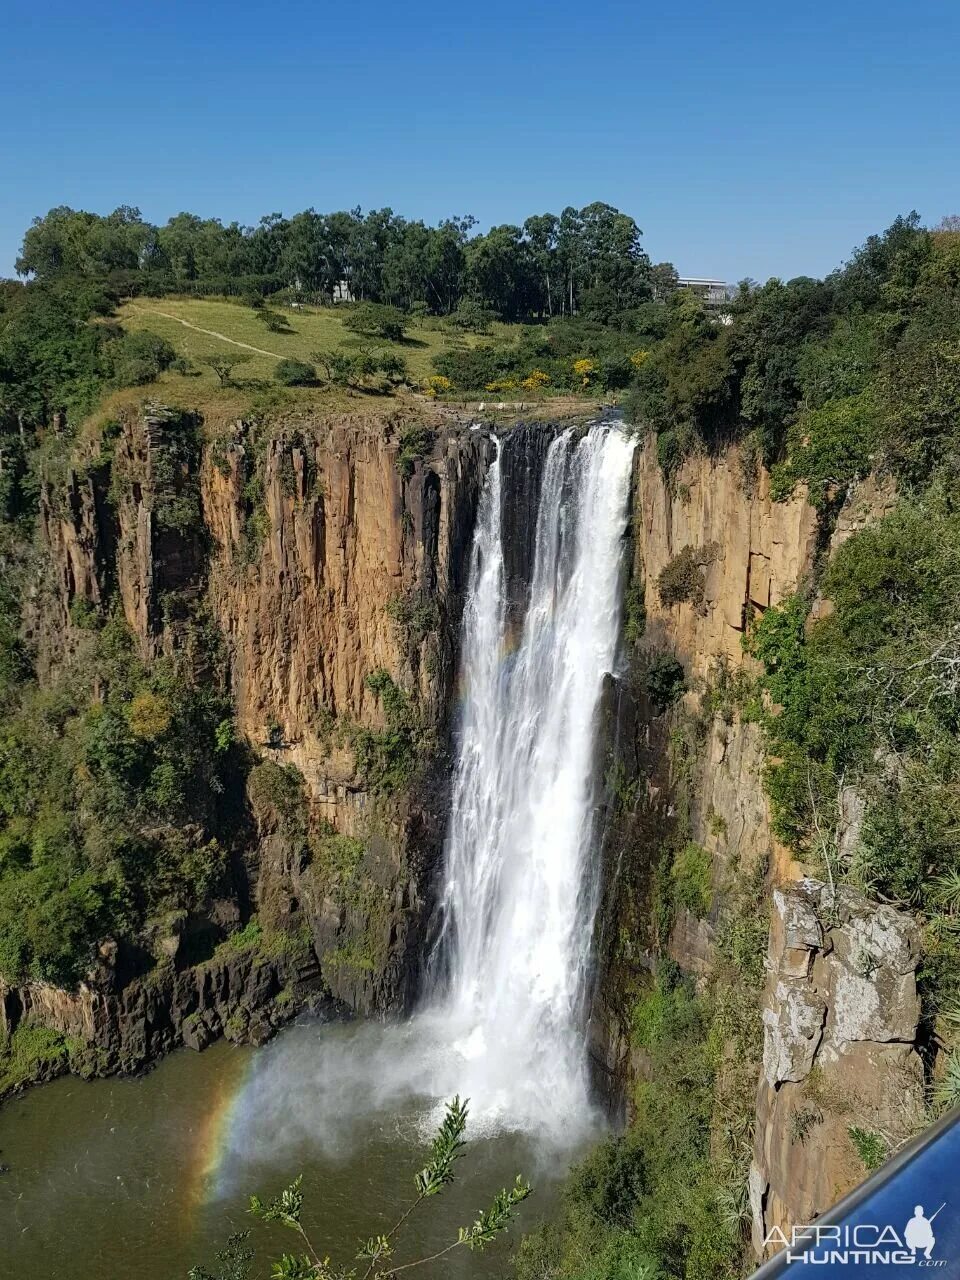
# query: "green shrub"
31,1054
386,759
692,879
84,614
870,1147
681,581
946,1090
114,788
371,317
670,453
372,371
730,690
828,447
415,443
471,317
140,357
634,611
416,617
834,721
473,368
294,373
249,938
338,857
742,940
275,321
664,681
277,791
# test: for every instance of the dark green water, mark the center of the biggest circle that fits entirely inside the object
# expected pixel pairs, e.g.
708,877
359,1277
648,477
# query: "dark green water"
113,1179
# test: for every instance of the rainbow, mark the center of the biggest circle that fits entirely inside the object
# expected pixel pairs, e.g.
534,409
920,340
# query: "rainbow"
508,648
212,1134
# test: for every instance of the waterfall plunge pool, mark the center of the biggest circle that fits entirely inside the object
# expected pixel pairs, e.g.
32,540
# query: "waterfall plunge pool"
147,1177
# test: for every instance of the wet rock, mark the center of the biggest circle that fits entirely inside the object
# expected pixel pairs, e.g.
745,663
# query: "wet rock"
196,1034
522,458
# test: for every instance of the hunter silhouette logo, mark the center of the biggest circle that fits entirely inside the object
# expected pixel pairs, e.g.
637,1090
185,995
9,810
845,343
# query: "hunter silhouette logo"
918,1233
862,1243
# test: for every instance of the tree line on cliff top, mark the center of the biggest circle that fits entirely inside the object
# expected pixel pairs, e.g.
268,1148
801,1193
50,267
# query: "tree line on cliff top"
588,261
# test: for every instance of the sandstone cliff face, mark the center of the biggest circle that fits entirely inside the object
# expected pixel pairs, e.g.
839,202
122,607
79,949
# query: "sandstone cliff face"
839,1005
840,1027
348,537
321,559
755,551
353,553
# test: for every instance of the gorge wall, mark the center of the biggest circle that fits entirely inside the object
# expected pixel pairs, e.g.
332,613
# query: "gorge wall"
329,562
829,1008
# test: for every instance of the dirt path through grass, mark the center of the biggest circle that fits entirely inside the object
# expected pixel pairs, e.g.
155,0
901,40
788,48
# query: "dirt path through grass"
211,333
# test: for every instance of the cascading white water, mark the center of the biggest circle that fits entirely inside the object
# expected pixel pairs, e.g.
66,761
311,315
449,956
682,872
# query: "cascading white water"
521,887
506,1027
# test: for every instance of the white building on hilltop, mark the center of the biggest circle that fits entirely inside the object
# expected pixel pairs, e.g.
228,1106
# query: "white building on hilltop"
713,292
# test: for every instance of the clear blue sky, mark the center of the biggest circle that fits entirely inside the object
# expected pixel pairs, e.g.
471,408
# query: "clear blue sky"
757,139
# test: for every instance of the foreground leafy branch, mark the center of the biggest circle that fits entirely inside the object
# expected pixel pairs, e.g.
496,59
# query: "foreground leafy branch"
378,1251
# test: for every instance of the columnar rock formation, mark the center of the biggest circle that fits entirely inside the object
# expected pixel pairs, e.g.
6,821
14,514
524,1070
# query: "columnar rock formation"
337,562
839,1007
840,1021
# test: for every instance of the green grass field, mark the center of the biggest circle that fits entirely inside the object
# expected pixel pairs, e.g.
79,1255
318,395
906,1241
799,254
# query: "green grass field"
181,321
200,327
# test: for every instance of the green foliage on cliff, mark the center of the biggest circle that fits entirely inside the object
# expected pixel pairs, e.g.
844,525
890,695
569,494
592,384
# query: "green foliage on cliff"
831,378
277,795
33,1053
861,718
870,1147
692,879
868,697
827,446
415,443
680,581
664,681
118,795
668,1197
386,758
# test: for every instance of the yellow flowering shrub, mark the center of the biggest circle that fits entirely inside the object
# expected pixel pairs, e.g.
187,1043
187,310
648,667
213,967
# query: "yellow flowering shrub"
584,369
639,357
536,380
438,385
149,716
502,384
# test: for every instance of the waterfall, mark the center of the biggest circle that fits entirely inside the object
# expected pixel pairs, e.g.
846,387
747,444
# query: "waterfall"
504,1025
521,879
